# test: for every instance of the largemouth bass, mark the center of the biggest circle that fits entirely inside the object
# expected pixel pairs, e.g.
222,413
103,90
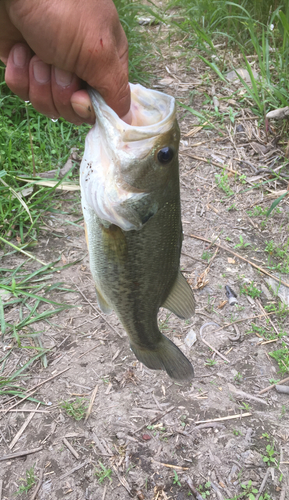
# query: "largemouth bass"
130,193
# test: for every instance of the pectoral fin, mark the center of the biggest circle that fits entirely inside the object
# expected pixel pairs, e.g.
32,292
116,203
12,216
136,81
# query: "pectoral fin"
181,299
106,309
114,242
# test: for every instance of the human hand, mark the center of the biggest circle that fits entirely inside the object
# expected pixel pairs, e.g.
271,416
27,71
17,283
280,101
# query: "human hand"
51,47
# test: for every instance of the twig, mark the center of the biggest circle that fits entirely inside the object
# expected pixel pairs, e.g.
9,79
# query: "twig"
71,449
211,162
97,311
73,470
273,385
243,394
22,429
220,419
209,345
193,489
263,484
93,395
161,415
38,485
170,465
265,313
242,258
20,453
123,481
88,350
207,426
33,389
1,487
104,492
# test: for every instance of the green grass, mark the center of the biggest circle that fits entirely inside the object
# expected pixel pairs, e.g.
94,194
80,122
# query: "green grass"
250,290
282,358
76,408
103,473
28,482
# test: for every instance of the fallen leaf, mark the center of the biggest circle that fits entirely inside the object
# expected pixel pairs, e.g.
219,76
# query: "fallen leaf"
231,261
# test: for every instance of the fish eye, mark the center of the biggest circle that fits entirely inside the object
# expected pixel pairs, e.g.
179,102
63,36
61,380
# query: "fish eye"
165,155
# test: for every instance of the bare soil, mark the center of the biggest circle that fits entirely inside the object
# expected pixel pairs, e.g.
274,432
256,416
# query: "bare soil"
160,439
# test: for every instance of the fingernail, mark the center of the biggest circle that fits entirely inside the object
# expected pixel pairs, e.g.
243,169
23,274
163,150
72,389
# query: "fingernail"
82,110
62,77
41,72
20,56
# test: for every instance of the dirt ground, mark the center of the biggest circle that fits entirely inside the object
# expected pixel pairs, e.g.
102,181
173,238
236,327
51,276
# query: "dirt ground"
156,439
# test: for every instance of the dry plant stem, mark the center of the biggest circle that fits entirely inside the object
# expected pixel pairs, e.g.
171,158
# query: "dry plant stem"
21,453
1,487
154,420
122,481
104,492
220,419
38,485
71,471
242,258
263,484
22,428
273,385
211,347
170,465
98,312
33,389
193,489
211,162
71,449
264,312
89,409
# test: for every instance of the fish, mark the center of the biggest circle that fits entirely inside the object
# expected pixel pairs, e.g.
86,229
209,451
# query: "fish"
130,195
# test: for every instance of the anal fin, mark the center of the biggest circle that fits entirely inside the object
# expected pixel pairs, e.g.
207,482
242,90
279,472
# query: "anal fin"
106,309
181,299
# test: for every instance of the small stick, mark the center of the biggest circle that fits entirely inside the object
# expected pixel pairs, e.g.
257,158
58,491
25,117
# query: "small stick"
211,162
104,492
273,385
263,311
122,481
1,487
263,484
243,394
170,465
89,409
207,426
33,389
161,415
98,312
88,350
220,419
242,258
22,429
71,449
73,470
38,485
193,489
27,411
209,345
20,453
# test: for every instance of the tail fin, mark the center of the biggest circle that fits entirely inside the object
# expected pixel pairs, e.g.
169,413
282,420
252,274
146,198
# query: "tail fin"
167,356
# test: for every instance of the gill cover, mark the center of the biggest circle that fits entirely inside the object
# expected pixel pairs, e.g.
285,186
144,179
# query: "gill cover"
113,149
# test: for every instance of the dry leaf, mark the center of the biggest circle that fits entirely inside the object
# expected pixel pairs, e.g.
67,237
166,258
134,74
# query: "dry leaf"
231,260
222,304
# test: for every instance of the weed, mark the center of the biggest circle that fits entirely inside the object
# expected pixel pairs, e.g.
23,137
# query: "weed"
238,377
269,458
283,411
205,490
28,482
242,244
102,473
222,181
237,433
266,436
250,290
245,406
210,362
282,358
75,409
163,325
176,478
206,256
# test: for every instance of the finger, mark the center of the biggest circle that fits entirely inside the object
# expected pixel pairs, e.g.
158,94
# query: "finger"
40,93
63,85
82,106
17,70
